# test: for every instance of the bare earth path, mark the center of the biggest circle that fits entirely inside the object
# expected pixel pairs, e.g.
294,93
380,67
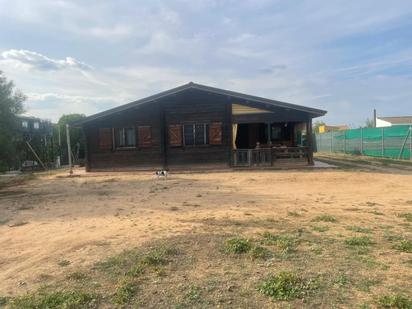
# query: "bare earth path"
85,219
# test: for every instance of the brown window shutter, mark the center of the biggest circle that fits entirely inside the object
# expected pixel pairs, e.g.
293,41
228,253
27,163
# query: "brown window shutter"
215,133
145,136
175,135
105,139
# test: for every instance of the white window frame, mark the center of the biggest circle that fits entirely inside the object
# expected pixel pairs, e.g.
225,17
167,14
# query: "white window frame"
125,138
205,143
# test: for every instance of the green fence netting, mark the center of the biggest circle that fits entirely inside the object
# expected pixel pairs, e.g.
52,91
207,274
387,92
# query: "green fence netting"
390,142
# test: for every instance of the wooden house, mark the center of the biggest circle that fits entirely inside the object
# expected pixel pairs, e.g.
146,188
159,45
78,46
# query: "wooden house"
196,126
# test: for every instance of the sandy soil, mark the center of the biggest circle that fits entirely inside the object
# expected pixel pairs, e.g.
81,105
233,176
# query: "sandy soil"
87,218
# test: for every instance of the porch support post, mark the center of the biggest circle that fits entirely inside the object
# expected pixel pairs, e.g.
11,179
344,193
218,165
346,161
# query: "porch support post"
309,137
269,137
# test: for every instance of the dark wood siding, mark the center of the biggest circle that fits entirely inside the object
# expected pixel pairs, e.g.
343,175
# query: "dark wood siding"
136,158
192,108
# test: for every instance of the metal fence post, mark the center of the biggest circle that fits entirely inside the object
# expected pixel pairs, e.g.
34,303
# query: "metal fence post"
319,141
361,141
383,143
410,143
344,141
331,141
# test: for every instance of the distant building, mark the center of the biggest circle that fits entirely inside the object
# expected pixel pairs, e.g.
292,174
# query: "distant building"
325,128
393,121
34,125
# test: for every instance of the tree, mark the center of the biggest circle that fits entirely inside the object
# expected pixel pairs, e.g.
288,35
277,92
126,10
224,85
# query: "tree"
77,139
11,105
316,126
369,123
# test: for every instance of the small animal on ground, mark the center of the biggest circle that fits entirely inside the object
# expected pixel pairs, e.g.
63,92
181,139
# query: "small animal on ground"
162,173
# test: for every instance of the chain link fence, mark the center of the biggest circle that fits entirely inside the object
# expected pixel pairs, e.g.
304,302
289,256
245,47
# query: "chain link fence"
389,142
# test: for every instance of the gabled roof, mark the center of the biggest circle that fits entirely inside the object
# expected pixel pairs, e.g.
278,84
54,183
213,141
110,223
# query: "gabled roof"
315,112
397,120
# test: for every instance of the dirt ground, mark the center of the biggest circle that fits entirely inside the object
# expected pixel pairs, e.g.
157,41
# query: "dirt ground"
85,219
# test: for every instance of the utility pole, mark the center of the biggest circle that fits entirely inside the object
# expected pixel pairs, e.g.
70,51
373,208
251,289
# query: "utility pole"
69,151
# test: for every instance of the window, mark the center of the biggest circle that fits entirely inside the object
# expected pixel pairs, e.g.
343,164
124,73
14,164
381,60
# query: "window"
276,133
144,134
25,124
126,137
105,139
195,134
36,125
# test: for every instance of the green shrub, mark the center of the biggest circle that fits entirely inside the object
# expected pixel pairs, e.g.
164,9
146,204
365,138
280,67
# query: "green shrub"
404,246
287,286
395,301
237,245
59,299
362,241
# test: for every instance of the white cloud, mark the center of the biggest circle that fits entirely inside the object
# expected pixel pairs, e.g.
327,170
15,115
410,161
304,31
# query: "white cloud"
40,62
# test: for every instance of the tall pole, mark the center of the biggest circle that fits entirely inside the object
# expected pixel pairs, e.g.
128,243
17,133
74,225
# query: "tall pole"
59,157
69,150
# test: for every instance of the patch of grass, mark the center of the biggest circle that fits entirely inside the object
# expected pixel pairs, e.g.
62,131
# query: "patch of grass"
237,245
286,243
406,215
362,241
77,276
376,213
135,271
294,214
125,290
325,218
404,245
18,223
64,263
3,301
320,229
158,256
193,294
287,286
259,252
393,237
341,280
395,301
358,229
365,284
60,299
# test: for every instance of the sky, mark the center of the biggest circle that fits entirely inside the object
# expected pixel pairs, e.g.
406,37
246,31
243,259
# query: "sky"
347,57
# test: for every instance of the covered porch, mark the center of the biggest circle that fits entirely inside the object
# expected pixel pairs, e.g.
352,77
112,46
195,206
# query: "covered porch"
262,140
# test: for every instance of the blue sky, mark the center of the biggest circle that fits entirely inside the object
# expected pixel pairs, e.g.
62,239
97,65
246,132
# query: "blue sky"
347,57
